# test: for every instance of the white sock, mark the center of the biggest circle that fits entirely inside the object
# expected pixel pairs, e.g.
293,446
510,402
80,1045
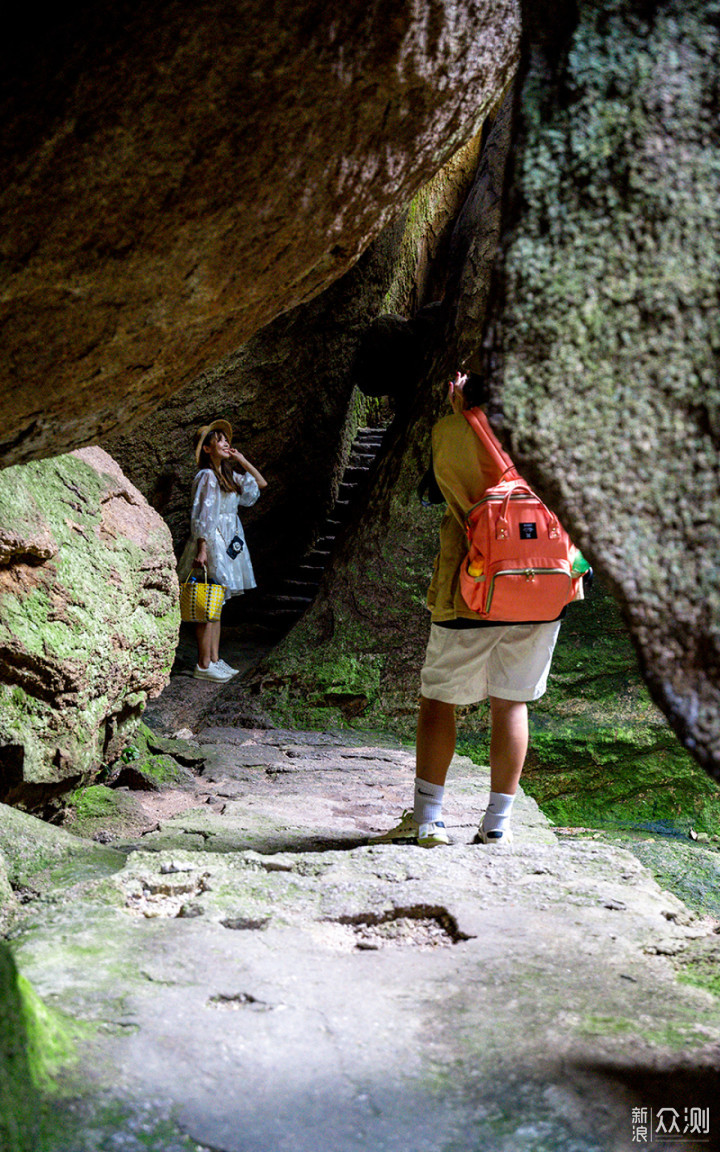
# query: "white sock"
498,812
428,801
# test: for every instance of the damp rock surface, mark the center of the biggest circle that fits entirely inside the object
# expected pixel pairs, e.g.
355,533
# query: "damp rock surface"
329,983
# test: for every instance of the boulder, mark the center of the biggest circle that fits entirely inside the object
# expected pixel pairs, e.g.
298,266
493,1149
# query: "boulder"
88,620
607,324
175,176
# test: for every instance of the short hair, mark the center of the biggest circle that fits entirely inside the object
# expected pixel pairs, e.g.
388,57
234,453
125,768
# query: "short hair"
476,390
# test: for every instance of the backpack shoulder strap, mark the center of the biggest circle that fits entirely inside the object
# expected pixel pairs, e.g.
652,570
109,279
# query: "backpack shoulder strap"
480,424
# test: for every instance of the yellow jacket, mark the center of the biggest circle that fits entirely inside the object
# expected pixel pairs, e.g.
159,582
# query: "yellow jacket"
463,469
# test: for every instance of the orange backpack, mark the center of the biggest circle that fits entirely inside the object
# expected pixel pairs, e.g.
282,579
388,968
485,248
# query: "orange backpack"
520,559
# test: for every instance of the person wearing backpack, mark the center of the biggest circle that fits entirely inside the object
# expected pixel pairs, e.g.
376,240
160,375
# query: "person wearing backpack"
471,654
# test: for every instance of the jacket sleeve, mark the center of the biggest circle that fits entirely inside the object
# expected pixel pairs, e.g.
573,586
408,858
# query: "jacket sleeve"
205,505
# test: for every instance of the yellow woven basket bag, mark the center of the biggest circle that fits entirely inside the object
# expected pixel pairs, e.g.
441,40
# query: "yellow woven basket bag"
201,603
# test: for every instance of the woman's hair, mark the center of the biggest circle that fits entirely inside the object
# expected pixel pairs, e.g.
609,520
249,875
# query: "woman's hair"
228,478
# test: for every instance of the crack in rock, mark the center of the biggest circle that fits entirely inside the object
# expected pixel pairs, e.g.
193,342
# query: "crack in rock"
238,1000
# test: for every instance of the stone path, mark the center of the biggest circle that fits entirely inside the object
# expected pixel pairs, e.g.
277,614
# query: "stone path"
255,975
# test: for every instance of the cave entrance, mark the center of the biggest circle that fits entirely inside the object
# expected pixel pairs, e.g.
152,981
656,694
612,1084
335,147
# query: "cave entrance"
272,611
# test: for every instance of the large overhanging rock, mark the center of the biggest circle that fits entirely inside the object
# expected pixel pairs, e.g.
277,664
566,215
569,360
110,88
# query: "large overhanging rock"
88,619
610,325
176,176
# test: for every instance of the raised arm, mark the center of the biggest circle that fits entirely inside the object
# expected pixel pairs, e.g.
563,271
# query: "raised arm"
250,468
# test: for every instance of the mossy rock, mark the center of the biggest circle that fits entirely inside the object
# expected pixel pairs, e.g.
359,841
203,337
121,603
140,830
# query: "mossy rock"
151,773
608,325
689,869
36,1045
88,624
105,814
33,849
601,753
19,1096
181,750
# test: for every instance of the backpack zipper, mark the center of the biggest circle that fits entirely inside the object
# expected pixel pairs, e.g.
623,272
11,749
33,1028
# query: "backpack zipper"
530,573
526,496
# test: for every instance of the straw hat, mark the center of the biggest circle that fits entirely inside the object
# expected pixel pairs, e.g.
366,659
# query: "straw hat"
216,426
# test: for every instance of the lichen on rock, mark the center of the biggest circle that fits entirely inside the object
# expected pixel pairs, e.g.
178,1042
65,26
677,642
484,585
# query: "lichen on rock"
89,619
609,344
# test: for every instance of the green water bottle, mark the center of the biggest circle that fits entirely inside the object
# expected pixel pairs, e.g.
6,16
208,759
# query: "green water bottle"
579,565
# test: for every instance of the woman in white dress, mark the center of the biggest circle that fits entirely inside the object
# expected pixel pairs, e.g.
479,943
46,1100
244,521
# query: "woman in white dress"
225,481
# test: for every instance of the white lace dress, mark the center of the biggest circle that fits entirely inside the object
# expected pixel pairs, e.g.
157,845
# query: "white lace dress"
214,518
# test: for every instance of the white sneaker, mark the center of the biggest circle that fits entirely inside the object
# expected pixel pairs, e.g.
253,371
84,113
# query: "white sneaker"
226,668
496,836
408,831
212,672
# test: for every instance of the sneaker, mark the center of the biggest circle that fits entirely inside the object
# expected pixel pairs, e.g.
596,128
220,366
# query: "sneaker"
408,831
496,836
212,672
226,668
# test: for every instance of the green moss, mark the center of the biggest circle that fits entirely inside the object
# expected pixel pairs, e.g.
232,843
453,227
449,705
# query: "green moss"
51,1038
89,1125
36,1045
607,1026
674,1035
86,592
604,776
159,770
703,972
19,1098
97,800
689,869
611,336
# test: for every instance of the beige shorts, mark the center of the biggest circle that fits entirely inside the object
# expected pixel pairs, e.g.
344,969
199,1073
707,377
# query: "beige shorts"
511,661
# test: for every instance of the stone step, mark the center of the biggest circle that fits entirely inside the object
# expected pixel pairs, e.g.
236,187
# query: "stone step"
353,474
307,588
281,600
286,616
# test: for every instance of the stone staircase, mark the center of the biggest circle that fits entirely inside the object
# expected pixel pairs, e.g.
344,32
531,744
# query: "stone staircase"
279,608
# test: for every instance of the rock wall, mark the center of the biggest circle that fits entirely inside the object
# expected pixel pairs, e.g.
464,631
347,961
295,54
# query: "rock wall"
88,619
608,334
175,176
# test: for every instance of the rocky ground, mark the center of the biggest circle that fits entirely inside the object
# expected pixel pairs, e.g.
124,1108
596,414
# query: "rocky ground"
241,968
